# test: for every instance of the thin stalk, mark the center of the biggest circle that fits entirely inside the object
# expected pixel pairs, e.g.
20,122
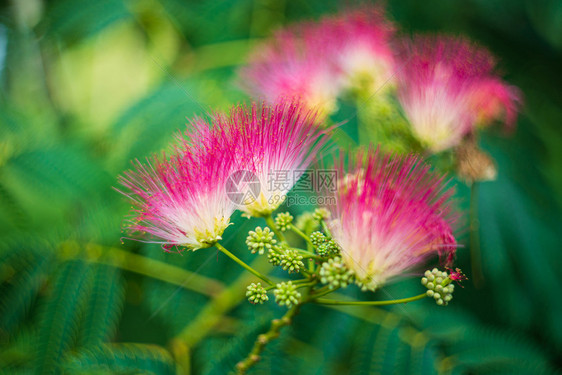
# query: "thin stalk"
243,264
301,234
271,224
475,254
321,292
213,312
243,366
154,269
370,303
326,229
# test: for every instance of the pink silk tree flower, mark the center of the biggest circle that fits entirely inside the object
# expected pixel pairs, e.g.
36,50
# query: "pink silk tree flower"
391,213
294,64
276,144
447,87
316,61
181,200
360,46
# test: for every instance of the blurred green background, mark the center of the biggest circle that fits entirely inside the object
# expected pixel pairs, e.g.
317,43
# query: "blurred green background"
85,86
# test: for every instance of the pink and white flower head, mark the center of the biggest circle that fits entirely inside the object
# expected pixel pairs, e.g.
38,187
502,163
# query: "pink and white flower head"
391,213
294,64
316,61
447,87
181,200
359,42
276,143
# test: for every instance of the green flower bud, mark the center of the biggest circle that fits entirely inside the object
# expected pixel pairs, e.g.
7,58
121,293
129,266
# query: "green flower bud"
283,221
335,273
328,249
321,214
256,293
439,286
291,261
260,240
318,238
274,255
286,294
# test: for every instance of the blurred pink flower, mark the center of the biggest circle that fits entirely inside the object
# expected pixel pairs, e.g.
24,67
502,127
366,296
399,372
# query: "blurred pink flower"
447,88
391,213
316,61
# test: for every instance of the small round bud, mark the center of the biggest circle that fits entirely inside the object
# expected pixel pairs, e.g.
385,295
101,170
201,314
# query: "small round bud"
286,294
291,261
260,240
274,255
318,238
335,274
256,293
439,286
321,214
328,249
283,221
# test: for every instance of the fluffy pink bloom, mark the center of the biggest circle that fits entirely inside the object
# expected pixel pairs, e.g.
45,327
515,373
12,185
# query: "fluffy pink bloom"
390,214
181,200
316,61
359,42
447,87
276,143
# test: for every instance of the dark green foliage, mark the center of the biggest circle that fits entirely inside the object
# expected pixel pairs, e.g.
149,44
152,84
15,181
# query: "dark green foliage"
60,316
61,303
103,307
121,359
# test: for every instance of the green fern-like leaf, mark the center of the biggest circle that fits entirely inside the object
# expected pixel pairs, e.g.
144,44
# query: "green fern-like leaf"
60,317
103,306
29,269
121,359
237,348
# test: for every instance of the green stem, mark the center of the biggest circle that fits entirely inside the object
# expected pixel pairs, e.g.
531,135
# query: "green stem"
243,366
243,264
326,229
271,224
321,292
152,268
370,303
214,311
301,234
475,255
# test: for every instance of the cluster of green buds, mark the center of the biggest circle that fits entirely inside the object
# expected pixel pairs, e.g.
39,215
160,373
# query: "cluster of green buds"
335,274
439,286
260,240
286,293
256,293
291,261
321,214
283,221
325,247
